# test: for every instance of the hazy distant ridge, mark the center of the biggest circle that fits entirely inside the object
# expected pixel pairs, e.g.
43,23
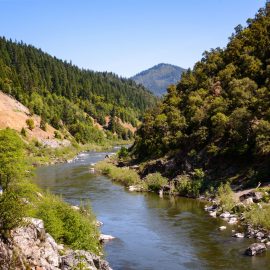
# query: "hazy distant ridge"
159,77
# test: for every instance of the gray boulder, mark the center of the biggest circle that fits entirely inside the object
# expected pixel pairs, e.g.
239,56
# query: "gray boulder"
256,248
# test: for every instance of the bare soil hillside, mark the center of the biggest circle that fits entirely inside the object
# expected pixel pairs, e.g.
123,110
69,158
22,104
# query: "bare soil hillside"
14,115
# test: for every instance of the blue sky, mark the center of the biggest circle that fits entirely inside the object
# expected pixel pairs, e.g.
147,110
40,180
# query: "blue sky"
125,36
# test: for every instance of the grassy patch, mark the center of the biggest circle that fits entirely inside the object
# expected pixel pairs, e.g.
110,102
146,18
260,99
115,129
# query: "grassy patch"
259,217
124,176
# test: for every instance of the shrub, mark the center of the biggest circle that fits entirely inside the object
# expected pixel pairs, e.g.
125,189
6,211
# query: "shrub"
155,181
57,135
225,197
30,123
123,152
74,228
23,132
43,124
188,187
12,211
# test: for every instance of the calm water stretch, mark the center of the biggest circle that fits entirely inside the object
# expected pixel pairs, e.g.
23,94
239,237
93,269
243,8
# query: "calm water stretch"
151,232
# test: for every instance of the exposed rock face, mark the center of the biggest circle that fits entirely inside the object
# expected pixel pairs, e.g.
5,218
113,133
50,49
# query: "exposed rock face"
84,259
255,249
30,247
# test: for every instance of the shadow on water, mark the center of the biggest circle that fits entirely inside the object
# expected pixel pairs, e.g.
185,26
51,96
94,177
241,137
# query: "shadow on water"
151,232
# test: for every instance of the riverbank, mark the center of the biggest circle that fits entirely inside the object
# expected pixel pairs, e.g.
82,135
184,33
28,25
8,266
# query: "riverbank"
42,155
248,209
21,200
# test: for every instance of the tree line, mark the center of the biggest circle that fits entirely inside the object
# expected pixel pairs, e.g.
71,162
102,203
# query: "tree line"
220,110
65,95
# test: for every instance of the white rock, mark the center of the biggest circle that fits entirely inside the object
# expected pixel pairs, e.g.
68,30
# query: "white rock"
75,207
248,201
213,214
38,223
222,228
99,223
233,220
105,237
135,188
225,215
239,235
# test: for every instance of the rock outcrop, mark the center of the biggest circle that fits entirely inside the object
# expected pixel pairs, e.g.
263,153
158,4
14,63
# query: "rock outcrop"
30,247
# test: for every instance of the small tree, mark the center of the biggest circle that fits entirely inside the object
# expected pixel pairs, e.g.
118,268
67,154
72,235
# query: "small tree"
43,124
30,123
12,211
23,132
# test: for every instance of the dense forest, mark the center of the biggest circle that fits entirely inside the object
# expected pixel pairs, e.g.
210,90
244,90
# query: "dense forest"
217,118
65,95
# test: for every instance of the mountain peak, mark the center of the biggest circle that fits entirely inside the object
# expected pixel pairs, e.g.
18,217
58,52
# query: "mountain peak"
159,77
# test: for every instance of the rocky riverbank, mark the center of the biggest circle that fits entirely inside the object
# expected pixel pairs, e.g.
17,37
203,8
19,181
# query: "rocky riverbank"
30,247
237,215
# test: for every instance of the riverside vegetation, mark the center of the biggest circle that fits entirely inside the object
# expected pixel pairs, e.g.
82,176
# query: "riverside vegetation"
210,134
21,198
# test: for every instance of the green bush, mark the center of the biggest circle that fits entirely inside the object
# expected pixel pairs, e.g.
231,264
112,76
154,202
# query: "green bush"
155,181
123,152
225,197
74,228
186,186
30,123
57,135
12,211
23,132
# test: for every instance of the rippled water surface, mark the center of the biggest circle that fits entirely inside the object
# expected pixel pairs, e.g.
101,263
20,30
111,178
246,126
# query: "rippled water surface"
151,232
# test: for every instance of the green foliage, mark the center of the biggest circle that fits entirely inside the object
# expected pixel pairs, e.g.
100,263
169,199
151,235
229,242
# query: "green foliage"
65,95
74,228
190,187
220,109
125,175
21,198
23,132
225,197
12,211
12,162
57,135
259,216
30,123
84,133
155,181
43,124
123,152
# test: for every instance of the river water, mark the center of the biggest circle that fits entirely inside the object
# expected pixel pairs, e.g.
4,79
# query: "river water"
151,232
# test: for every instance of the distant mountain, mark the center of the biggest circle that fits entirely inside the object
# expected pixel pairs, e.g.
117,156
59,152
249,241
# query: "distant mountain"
159,77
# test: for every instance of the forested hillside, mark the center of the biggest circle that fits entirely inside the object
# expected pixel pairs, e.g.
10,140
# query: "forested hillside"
217,118
159,77
65,95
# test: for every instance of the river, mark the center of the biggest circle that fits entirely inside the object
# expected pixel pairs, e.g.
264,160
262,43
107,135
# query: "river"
151,232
